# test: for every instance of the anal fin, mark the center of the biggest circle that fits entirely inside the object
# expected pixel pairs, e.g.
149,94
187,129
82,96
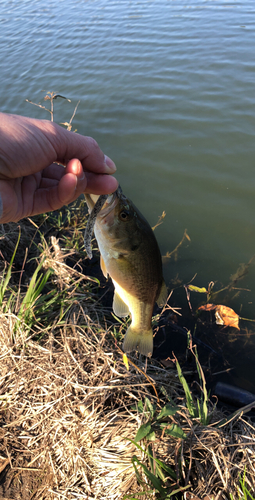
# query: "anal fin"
162,298
119,307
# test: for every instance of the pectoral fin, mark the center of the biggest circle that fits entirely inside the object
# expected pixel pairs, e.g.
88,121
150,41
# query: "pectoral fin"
119,307
162,298
103,267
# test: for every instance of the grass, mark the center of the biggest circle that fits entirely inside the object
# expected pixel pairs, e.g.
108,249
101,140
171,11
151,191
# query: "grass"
243,492
78,420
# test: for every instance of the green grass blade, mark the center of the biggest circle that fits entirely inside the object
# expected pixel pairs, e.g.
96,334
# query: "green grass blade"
140,493
138,477
36,285
5,280
150,406
10,302
151,460
190,403
203,408
170,472
161,464
32,298
153,479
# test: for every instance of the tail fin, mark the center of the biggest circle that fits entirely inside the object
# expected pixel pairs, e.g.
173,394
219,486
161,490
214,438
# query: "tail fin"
142,341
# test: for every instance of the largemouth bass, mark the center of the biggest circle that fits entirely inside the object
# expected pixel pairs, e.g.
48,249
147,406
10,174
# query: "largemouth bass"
131,257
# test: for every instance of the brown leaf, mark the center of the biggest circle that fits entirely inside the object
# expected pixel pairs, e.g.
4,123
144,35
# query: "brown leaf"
167,363
207,307
189,496
224,315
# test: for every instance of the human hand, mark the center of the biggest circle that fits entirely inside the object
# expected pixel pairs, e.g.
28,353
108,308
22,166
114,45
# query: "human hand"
31,179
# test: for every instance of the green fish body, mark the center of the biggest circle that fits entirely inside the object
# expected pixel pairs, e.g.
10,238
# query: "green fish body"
131,257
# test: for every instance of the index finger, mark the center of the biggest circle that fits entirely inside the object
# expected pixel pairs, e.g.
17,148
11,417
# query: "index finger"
68,145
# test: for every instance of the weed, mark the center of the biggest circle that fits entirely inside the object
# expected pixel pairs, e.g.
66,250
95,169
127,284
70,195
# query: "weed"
244,494
158,424
198,409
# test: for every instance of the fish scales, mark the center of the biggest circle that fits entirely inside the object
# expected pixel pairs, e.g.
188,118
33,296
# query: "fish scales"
131,257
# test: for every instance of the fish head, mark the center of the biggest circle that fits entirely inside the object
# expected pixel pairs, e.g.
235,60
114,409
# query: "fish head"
121,223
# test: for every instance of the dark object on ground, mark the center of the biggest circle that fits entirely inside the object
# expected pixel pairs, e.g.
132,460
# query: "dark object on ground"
233,395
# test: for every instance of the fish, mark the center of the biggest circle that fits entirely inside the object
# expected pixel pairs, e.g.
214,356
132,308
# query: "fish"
130,256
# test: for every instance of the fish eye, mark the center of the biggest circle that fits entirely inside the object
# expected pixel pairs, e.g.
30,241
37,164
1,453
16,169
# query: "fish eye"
124,215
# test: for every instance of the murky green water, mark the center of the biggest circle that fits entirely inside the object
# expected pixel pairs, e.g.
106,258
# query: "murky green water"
167,88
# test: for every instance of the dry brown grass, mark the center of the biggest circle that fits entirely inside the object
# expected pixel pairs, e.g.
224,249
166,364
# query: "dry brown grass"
66,411
67,406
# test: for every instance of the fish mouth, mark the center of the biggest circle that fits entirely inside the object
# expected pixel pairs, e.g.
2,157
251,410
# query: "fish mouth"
110,204
102,207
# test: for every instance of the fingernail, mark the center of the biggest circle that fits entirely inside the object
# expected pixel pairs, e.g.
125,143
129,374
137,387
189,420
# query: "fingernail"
110,165
82,176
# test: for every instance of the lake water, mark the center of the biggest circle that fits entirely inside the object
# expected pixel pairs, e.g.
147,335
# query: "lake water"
167,88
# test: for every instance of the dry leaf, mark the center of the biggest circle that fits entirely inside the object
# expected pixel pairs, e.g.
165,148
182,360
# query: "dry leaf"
207,307
167,363
224,315
190,496
198,289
